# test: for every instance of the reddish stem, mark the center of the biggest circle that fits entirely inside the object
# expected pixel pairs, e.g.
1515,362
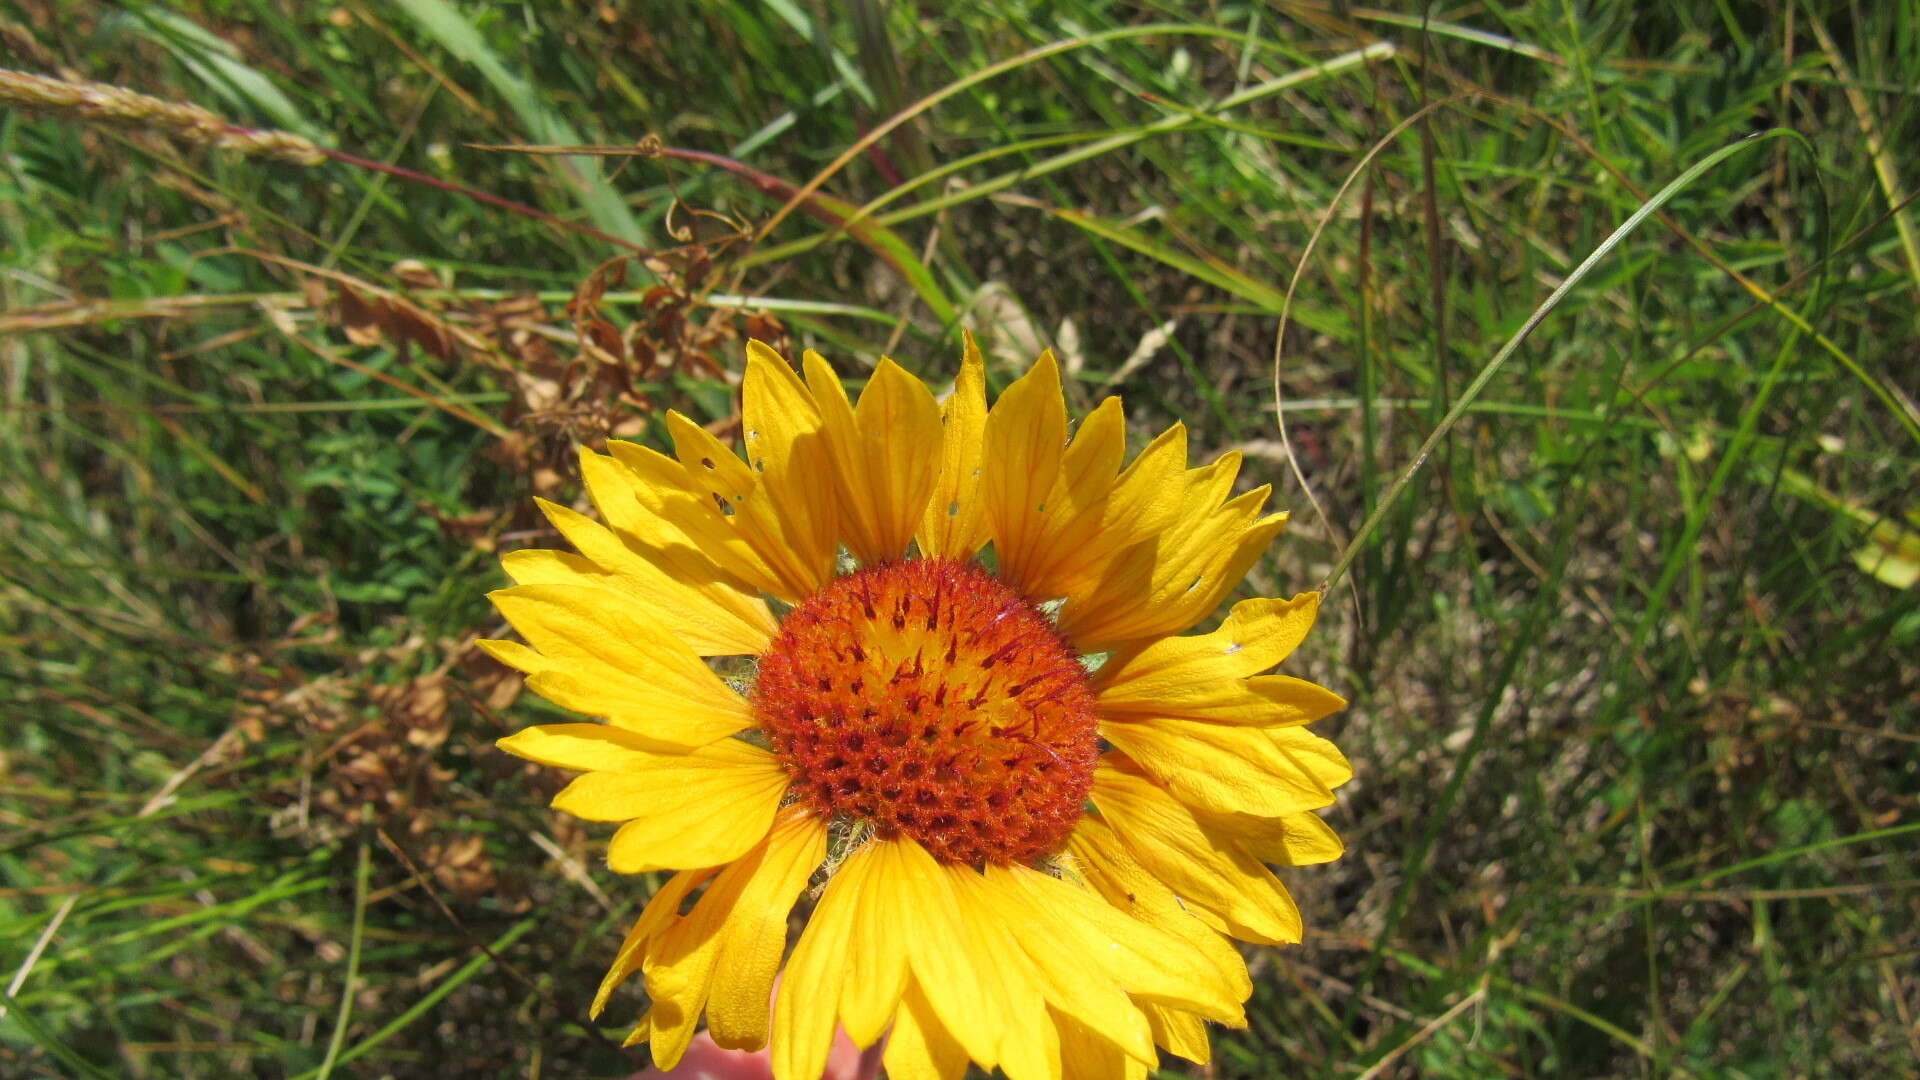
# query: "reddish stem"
483,196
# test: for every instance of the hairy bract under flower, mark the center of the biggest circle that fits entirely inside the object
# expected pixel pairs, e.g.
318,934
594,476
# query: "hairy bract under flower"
1031,862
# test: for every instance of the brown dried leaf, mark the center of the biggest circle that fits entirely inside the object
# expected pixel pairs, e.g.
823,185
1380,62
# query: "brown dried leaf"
368,319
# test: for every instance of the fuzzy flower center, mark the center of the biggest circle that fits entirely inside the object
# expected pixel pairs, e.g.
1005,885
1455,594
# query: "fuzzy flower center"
926,698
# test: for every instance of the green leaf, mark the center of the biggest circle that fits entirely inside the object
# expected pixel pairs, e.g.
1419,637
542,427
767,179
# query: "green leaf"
603,204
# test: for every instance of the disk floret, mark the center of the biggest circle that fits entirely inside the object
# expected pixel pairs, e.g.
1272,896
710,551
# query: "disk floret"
927,698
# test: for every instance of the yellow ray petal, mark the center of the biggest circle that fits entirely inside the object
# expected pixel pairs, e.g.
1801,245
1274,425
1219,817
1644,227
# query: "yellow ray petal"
1026,1045
786,446
1166,584
954,524
943,959
667,800
708,466
1025,439
918,1047
809,1002
680,966
1146,961
726,767
1092,460
755,934
660,911
641,1032
1204,868
729,945
1069,540
756,509
882,933
682,834
584,748
642,496
1151,492
1200,675
1076,982
1313,754
901,423
697,511
1220,768
1264,701
886,455
712,615
1292,840
1181,1032
1148,498
543,566
1103,862
1086,1055
612,659
669,1033
1284,701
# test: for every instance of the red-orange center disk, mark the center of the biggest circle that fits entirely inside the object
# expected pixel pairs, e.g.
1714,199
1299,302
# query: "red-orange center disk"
927,698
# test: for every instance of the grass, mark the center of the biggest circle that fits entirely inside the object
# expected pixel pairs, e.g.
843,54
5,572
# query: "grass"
1629,627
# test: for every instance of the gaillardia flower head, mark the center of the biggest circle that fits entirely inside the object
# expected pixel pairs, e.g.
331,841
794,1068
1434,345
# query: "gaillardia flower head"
970,721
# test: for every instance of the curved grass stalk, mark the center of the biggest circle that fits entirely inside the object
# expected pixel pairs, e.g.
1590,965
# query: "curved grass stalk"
1379,49
1539,315
1103,145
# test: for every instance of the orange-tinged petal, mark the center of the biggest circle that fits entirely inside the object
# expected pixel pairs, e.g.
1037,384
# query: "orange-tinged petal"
1025,440
954,524
1204,868
1221,768
601,652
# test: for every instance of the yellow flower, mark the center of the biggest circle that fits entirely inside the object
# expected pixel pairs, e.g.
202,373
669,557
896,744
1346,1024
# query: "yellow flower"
1029,811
